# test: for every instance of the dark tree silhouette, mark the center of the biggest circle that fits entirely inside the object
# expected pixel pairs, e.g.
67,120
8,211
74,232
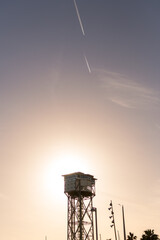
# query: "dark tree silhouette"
149,235
131,236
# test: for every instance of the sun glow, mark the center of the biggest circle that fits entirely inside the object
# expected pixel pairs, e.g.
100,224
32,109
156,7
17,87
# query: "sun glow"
66,163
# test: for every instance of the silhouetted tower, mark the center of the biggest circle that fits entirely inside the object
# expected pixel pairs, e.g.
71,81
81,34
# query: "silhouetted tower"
80,190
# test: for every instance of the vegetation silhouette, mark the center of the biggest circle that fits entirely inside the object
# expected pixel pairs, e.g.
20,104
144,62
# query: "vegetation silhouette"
131,236
149,235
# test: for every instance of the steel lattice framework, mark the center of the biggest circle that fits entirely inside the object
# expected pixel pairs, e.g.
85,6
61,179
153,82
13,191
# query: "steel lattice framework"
80,190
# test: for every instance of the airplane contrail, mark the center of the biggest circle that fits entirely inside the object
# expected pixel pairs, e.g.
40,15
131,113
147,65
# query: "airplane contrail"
87,63
79,18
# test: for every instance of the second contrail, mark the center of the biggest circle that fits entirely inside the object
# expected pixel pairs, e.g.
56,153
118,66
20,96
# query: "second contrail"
87,63
79,18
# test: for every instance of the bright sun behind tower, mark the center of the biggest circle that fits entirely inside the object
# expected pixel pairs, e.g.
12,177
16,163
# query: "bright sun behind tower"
64,163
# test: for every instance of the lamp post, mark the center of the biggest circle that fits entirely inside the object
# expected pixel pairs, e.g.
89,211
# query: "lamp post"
123,219
95,210
124,228
113,221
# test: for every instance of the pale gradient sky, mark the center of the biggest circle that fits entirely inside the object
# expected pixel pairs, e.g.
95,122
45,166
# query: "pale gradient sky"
53,110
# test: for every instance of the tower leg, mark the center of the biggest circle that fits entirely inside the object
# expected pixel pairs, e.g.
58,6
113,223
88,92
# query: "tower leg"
80,219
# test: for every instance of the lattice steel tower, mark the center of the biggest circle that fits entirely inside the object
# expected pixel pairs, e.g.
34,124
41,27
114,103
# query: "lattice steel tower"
80,190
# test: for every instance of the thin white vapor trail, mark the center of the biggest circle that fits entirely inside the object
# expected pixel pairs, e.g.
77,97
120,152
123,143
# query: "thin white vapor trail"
87,63
79,18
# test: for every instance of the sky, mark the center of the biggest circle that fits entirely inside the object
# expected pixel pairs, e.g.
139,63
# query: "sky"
79,91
